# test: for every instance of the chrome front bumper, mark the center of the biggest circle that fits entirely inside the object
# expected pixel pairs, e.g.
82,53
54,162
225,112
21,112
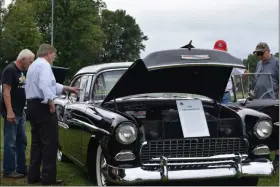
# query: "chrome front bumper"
140,175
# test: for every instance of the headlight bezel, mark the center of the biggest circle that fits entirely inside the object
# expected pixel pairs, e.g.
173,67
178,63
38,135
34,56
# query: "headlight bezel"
255,128
118,128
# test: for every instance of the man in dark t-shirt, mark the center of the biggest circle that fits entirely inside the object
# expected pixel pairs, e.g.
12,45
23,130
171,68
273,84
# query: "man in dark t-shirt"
12,105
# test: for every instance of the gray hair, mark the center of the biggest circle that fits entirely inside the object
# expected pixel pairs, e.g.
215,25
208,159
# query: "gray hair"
45,49
25,53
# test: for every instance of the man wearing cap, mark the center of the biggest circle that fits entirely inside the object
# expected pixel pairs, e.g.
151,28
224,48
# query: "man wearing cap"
222,46
267,64
266,87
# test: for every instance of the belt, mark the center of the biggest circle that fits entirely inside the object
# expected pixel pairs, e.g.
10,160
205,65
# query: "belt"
226,92
35,99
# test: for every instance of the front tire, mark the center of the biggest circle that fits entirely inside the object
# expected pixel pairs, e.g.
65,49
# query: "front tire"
97,161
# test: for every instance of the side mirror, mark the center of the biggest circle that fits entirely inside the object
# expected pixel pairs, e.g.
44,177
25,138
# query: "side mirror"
251,97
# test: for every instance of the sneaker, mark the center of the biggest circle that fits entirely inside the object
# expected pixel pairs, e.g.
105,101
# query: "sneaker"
25,173
14,175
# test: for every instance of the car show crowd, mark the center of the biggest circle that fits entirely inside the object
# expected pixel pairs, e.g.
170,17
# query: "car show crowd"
30,80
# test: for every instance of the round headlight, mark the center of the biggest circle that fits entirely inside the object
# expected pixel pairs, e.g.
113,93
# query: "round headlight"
263,129
126,133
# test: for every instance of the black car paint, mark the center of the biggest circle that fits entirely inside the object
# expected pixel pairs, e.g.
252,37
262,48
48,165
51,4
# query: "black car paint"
76,139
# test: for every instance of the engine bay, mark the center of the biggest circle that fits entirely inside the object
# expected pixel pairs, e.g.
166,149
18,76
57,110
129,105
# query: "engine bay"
161,120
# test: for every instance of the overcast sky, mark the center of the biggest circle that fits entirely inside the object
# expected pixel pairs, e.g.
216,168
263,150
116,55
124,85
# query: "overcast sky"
173,23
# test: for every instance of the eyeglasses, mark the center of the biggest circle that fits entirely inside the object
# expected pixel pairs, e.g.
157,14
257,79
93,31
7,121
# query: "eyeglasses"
259,53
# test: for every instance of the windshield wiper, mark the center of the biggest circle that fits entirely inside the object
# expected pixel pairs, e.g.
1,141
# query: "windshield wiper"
142,96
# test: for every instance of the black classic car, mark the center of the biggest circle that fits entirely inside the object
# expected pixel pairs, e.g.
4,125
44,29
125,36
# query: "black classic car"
160,119
244,95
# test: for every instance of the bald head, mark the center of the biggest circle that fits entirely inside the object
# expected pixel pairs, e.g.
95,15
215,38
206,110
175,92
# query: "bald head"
25,58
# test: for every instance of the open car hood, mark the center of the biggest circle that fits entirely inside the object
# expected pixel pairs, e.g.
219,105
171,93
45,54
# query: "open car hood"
60,73
155,74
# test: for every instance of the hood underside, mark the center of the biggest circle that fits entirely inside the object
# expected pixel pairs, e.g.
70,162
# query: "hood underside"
208,80
194,71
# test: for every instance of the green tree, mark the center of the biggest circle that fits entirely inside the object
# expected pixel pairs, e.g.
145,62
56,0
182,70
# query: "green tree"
251,63
124,38
78,36
19,31
3,12
276,55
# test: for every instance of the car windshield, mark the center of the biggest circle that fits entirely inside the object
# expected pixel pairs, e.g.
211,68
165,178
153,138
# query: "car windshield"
260,85
105,82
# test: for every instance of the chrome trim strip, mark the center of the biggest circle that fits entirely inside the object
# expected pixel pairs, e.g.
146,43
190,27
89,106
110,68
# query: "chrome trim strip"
63,125
89,125
192,163
151,68
139,175
163,169
226,156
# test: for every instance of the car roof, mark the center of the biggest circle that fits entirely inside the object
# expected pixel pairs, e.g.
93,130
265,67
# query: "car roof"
100,67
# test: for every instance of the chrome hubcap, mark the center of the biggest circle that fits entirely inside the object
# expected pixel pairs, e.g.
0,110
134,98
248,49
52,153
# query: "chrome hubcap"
59,155
102,169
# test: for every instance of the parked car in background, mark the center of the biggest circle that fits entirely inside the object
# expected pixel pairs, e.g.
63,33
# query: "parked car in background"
244,95
160,119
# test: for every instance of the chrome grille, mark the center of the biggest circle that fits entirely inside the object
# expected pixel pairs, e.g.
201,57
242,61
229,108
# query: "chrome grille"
198,147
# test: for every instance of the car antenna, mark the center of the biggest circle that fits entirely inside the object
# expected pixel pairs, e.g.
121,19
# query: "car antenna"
188,46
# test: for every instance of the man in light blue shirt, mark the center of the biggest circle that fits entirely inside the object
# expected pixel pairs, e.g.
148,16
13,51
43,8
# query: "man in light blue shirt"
41,89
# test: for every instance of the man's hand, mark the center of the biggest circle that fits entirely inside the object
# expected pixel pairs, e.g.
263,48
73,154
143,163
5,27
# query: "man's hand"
73,89
52,107
11,117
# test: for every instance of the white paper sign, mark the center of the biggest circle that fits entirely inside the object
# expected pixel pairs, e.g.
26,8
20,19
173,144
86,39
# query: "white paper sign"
192,117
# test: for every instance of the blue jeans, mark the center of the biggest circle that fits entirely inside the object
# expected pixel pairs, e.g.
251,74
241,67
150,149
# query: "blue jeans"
226,98
15,143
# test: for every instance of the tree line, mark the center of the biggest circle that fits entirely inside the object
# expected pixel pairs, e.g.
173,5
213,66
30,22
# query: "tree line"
251,62
85,32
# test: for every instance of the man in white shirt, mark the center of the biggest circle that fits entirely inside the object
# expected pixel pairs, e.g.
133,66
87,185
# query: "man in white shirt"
41,90
222,45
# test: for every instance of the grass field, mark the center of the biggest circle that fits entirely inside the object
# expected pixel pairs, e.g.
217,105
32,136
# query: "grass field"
74,176
70,173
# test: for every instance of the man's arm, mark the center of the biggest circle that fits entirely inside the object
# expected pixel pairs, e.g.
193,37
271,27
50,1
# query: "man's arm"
7,97
7,86
60,88
45,83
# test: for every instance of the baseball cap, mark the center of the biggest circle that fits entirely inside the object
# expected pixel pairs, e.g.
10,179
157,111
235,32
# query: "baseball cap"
261,47
220,45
